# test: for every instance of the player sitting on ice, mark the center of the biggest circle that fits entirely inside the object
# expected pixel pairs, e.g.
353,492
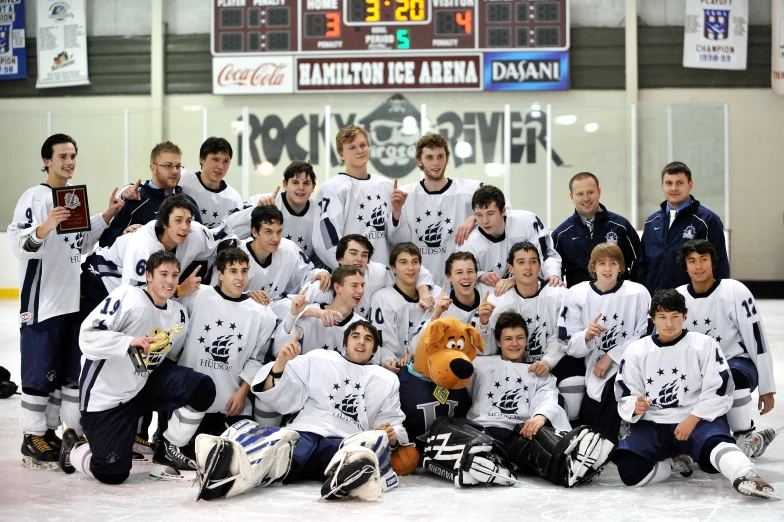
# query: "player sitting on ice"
338,396
725,310
675,388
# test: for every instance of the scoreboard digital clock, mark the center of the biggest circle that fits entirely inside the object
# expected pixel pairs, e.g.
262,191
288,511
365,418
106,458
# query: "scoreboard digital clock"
249,27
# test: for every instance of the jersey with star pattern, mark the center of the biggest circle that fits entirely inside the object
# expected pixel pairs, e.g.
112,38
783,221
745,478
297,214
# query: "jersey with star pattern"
314,335
397,317
214,204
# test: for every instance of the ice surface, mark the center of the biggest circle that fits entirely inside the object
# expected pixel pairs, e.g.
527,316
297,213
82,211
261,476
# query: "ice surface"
50,495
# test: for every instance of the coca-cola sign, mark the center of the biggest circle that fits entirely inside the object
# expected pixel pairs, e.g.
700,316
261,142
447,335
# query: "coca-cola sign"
252,74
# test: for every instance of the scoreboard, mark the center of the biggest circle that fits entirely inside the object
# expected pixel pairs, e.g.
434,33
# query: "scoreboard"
322,27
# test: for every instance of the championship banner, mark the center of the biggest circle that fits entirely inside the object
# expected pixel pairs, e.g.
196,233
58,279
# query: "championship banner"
716,34
777,47
13,61
62,44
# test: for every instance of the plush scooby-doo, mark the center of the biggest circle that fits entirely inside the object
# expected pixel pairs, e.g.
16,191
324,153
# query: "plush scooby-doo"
434,382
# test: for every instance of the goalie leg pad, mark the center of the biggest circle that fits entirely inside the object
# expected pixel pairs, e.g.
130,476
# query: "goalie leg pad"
352,472
378,442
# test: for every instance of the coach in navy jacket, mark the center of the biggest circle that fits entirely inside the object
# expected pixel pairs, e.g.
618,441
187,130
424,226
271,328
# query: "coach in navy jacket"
574,239
661,239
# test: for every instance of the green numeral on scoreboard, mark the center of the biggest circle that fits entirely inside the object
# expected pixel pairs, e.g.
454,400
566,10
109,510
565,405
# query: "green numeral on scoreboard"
402,39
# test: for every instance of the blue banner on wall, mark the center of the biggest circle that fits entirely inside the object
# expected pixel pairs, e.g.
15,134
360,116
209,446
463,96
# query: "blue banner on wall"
13,61
527,71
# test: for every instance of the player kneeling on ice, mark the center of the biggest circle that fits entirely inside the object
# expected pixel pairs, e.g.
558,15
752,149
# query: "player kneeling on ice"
339,398
675,389
513,423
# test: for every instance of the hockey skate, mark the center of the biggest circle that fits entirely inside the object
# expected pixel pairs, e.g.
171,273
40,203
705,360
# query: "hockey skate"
143,451
765,436
683,464
70,441
169,463
52,439
748,441
37,453
754,486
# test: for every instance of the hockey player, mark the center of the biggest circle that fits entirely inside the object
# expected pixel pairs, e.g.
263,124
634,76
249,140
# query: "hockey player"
353,202
215,198
49,302
124,342
299,213
598,321
230,337
725,310
498,230
336,397
674,387
437,214
143,200
395,309
680,219
278,266
539,304
591,224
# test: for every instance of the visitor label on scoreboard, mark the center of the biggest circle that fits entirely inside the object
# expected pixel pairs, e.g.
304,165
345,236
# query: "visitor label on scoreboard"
716,34
252,74
13,61
398,73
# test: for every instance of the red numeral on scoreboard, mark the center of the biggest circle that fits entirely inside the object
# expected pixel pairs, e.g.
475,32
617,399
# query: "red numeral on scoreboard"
464,19
333,24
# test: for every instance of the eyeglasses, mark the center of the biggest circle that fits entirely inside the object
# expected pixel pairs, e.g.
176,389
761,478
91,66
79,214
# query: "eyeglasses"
169,166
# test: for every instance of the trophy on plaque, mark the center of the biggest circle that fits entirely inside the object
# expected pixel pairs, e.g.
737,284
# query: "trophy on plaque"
74,198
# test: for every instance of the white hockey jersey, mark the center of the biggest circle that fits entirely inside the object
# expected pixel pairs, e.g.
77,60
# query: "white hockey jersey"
109,375
48,277
228,340
397,317
492,252
727,313
125,262
541,317
334,397
686,376
504,394
624,312
430,220
296,227
348,205
283,272
214,205
314,336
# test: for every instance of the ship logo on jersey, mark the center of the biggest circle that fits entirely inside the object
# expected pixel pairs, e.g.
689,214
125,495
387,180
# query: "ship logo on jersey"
609,339
508,402
668,395
612,237
378,218
533,352
351,404
348,406
432,236
220,348
689,232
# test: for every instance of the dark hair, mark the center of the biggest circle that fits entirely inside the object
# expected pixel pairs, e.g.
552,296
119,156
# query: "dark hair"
404,248
160,148
47,149
509,320
167,207
669,300
460,255
369,327
581,176
265,214
298,167
676,167
341,273
486,195
525,246
340,251
432,141
229,256
214,145
701,247
160,257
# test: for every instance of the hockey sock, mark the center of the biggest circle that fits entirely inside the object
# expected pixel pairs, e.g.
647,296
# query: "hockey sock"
264,415
730,460
572,389
70,411
660,472
742,409
32,415
183,425
80,459
53,409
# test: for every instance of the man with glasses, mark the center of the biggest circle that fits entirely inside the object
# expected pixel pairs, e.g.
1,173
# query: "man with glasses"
142,200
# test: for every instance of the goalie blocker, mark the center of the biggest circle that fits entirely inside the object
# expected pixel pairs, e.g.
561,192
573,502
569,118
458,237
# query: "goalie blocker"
459,450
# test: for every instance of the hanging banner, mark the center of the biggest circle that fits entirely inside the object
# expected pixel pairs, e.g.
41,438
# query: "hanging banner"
13,61
62,44
716,34
777,47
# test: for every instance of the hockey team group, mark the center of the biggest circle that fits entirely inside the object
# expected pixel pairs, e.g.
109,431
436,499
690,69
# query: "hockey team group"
376,329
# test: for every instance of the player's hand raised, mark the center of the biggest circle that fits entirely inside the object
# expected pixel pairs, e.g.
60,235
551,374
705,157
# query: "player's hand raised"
594,329
260,296
132,191
299,302
397,198
115,204
442,303
192,283
287,352
268,200
485,309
